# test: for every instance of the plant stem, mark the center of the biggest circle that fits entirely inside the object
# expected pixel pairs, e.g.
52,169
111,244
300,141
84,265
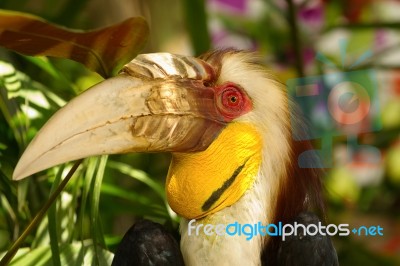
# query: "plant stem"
196,21
294,34
39,216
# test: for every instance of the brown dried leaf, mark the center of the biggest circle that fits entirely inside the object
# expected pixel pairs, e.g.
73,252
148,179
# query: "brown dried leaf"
103,50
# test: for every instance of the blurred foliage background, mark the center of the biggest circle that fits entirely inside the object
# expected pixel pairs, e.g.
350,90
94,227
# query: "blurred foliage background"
108,194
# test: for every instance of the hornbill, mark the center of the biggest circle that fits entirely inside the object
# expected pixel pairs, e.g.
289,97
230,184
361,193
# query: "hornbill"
226,121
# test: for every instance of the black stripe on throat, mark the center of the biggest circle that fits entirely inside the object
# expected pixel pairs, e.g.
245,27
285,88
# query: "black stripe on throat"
218,193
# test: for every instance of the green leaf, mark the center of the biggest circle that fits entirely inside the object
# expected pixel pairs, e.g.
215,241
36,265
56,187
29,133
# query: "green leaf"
104,50
52,220
196,21
138,204
10,85
39,256
77,253
44,64
84,254
90,165
39,216
138,175
23,100
97,235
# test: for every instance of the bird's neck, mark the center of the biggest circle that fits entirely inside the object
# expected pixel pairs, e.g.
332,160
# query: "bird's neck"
220,185
198,248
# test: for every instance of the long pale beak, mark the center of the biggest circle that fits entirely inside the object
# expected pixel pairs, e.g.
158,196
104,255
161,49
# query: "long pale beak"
158,103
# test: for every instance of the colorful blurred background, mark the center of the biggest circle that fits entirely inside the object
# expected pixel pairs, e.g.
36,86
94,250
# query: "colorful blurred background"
329,42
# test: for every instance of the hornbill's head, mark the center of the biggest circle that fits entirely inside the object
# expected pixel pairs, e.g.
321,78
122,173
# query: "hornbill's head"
223,116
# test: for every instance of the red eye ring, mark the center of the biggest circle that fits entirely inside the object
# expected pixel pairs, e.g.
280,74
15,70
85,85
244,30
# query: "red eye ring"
232,98
232,101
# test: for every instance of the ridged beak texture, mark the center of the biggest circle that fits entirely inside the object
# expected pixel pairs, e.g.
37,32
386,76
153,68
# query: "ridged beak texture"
157,103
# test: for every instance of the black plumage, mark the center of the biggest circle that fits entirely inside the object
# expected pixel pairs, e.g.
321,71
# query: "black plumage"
307,250
148,244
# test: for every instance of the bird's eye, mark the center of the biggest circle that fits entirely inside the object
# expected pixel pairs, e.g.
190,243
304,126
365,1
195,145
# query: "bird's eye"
231,97
232,101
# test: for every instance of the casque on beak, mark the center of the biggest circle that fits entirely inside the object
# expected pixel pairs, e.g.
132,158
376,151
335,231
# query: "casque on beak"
157,103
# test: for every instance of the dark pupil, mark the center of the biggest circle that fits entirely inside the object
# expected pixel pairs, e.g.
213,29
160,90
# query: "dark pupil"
233,99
